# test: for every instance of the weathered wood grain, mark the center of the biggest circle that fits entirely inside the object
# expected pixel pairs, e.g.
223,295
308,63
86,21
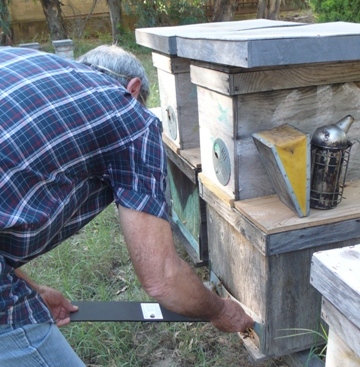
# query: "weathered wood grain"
336,275
341,326
276,288
164,39
179,94
230,81
171,64
183,164
235,119
339,354
323,42
188,208
272,216
193,156
224,205
274,229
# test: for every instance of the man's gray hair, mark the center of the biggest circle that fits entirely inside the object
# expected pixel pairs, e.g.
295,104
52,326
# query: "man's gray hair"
119,64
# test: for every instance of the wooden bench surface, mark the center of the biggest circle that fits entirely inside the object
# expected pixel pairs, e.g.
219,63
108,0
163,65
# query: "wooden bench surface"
272,216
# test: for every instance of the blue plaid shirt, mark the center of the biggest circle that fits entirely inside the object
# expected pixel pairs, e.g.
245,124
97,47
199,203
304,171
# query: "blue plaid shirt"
72,140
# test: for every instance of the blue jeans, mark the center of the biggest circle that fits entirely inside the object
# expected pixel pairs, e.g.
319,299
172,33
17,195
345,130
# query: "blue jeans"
36,345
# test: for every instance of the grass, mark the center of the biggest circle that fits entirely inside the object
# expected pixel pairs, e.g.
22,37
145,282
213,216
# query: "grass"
94,265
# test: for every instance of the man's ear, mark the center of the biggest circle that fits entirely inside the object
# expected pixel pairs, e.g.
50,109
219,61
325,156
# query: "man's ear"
134,86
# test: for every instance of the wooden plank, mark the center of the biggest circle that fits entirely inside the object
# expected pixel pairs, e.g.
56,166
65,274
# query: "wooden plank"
339,354
171,64
178,101
195,248
223,204
335,274
164,39
274,45
301,239
243,81
184,165
216,121
285,238
188,209
342,327
217,193
305,109
170,143
250,339
193,156
235,119
233,258
272,216
276,288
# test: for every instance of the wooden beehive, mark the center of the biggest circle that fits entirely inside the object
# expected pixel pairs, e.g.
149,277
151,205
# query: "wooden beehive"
258,79
253,76
178,95
178,101
261,252
336,275
188,209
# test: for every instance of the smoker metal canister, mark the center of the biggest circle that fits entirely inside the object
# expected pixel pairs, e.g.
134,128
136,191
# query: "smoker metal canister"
330,150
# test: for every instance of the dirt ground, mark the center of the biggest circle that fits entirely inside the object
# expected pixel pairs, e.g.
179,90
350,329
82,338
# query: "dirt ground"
299,16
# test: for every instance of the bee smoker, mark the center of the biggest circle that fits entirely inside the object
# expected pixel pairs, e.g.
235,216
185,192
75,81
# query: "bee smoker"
330,152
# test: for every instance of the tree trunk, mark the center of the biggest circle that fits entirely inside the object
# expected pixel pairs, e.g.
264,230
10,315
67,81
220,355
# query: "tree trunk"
54,18
5,22
224,10
116,19
262,9
268,9
274,9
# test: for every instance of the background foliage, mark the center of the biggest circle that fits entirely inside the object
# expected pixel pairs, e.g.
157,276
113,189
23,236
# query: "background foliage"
158,13
336,10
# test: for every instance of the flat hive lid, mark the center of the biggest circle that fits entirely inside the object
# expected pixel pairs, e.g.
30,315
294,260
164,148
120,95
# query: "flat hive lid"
273,46
256,43
164,39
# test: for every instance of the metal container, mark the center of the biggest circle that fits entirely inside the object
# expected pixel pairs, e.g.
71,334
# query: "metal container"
330,152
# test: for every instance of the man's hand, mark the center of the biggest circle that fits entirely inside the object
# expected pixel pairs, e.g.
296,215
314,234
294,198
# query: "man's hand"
59,306
232,318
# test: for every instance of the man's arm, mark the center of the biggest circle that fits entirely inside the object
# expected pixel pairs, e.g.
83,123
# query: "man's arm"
169,279
59,306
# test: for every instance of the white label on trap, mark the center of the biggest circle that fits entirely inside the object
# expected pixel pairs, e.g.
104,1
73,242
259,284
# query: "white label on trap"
151,311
